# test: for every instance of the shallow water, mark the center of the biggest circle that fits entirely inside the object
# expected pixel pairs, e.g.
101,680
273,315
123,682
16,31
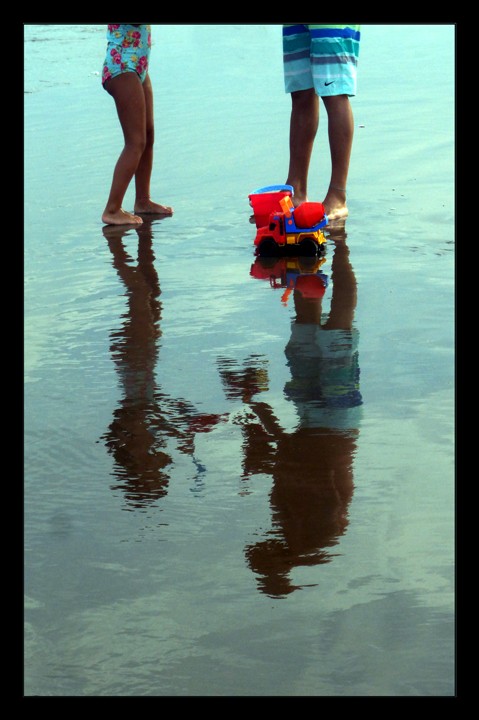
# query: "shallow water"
221,497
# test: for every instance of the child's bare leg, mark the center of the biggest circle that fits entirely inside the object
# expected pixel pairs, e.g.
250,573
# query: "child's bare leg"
340,132
143,202
127,92
302,132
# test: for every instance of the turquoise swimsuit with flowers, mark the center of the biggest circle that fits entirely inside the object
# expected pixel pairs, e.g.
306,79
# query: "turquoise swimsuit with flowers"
128,50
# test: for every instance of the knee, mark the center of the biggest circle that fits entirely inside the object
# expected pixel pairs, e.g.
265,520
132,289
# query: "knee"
336,103
136,145
304,99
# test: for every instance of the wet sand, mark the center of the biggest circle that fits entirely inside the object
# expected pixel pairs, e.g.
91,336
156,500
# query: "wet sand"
183,533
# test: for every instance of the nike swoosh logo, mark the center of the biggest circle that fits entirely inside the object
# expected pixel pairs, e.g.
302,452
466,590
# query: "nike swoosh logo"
329,83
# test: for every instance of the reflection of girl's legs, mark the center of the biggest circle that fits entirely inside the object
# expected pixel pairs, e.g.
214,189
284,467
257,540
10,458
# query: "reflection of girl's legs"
128,94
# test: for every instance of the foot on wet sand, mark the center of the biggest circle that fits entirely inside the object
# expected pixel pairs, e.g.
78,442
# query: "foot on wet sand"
335,204
147,206
122,217
298,199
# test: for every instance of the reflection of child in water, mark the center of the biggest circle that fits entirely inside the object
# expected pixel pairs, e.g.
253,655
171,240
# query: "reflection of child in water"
312,467
146,417
323,358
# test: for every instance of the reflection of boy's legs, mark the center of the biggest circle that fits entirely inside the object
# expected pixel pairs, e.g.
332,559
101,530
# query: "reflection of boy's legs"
313,485
344,294
312,489
312,468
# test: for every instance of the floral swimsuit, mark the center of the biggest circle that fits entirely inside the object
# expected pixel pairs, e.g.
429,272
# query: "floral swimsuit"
128,50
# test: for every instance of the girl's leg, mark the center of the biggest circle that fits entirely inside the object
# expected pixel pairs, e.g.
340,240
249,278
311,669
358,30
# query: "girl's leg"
127,92
143,202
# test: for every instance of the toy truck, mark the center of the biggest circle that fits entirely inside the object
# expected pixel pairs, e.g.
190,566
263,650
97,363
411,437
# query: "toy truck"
292,231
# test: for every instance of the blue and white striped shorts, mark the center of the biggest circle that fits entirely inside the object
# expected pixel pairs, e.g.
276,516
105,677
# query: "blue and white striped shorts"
323,57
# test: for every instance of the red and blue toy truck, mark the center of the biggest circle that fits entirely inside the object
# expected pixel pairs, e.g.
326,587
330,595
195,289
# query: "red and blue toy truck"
284,229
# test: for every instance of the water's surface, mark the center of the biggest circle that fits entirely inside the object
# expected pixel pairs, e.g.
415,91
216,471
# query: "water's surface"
229,491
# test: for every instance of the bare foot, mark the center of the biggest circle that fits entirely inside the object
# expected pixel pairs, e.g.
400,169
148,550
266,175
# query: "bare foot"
338,213
298,199
121,218
300,194
335,204
147,206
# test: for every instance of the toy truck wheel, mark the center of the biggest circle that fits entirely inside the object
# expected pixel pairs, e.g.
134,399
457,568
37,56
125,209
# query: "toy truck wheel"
308,247
268,248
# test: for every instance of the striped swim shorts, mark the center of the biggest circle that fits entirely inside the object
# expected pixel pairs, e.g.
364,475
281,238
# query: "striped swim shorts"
323,57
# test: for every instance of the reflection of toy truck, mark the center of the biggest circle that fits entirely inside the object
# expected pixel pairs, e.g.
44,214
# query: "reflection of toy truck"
292,273
289,230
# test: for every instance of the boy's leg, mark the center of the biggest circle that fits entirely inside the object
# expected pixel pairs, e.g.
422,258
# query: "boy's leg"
303,128
299,83
340,133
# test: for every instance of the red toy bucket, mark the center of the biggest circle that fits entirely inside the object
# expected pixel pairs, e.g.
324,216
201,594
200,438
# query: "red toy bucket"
265,200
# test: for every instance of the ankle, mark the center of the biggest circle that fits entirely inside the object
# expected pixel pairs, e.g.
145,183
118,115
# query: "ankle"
338,189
